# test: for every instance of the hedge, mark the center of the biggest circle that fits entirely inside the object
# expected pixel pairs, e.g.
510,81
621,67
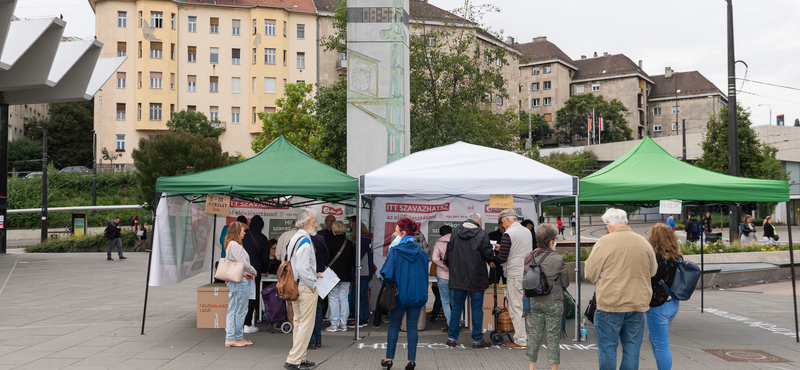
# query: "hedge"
88,243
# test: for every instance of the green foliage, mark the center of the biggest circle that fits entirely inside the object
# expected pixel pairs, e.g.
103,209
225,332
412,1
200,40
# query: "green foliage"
756,159
330,105
570,257
579,164
196,123
719,247
573,118
539,128
69,133
86,243
294,120
171,154
111,157
25,155
338,40
450,82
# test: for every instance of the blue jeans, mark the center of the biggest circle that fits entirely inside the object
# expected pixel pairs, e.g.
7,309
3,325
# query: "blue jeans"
446,296
459,298
316,334
337,301
395,319
612,328
658,320
238,296
364,306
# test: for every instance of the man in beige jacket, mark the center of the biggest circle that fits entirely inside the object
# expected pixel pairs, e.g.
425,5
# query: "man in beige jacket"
620,265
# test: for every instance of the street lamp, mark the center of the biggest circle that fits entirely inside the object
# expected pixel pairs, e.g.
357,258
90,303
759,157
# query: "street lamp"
44,184
769,121
530,139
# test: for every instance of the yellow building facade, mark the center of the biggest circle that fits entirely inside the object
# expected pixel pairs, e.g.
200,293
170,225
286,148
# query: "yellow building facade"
228,59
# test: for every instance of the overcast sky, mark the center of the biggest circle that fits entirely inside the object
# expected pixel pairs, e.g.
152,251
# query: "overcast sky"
686,35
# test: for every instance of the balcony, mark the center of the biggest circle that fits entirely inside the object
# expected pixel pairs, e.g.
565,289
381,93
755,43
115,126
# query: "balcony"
219,124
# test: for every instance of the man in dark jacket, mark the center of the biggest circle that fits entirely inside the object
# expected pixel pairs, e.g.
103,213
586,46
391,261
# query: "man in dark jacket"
497,273
321,255
112,233
468,252
255,243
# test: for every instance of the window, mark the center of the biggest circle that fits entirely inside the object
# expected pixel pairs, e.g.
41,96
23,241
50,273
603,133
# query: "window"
172,81
156,19
269,56
676,126
255,115
254,85
284,57
171,114
301,60
213,114
214,55
547,101
122,49
301,31
535,102
676,109
172,21
172,51
342,56
548,117
546,69
499,62
579,89
270,85
140,19
235,115
155,50
121,80
489,97
155,111
155,80
535,86
236,56
236,26
214,25
122,19
499,100
140,49
656,128
255,27
534,70
486,58
120,111
284,28
595,87
139,112
269,27
236,85
140,80
213,84
121,142
191,83
192,24
191,108
192,52
546,85
656,111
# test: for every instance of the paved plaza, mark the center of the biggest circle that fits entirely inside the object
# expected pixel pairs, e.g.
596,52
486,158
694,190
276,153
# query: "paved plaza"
79,311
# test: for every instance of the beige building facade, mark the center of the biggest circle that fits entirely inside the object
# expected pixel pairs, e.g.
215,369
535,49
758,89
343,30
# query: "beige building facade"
227,59
682,98
19,115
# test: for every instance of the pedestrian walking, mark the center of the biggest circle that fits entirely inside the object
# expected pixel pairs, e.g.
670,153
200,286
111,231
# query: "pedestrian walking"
707,225
671,222
573,222
112,233
769,231
748,230
142,233
560,227
663,309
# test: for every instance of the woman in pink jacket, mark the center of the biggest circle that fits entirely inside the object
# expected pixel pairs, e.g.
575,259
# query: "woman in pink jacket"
442,272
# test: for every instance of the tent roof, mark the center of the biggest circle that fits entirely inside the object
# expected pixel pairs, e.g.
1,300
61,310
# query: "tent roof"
467,169
648,173
280,169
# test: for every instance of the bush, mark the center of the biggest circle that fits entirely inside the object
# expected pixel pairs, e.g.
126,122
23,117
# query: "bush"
87,243
570,257
720,247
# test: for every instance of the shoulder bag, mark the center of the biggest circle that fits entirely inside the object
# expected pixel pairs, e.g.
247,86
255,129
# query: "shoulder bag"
228,270
387,296
591,308
685,281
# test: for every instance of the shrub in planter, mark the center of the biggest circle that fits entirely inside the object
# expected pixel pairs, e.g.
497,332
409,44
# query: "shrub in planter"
86,243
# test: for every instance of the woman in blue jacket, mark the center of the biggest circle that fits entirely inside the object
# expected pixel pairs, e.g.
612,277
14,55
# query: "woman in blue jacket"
407,266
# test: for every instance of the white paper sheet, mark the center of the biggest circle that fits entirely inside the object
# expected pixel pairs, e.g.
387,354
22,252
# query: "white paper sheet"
326,283
252,288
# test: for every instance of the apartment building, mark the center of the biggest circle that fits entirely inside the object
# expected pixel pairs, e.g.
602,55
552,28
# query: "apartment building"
226,58
682,98
20,115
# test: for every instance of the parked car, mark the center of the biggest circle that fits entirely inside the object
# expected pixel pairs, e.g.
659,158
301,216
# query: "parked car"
75,169
34,175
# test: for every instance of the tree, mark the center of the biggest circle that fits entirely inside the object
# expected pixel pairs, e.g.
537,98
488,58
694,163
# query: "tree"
538,127
757,160
195,123
330,106
580,164
174,153
25,155
294,120
110,157
69,133
573,119
450,82
338,40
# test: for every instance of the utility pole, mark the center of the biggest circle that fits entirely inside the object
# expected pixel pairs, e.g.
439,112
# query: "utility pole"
530,103
733,129
94,170
4,169
44,184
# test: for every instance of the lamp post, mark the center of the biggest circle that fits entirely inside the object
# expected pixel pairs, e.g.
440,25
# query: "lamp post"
733,129
530,138
769,122
94,170
44,184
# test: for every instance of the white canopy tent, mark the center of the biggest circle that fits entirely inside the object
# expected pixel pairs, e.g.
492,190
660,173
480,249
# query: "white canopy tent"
467,171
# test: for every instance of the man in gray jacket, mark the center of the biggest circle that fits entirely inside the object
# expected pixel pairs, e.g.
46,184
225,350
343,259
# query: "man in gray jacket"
300,252
517,242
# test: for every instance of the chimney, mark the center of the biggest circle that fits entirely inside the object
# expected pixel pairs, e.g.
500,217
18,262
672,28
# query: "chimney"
583,56
539,38
510,40
595,54
605,54
640,64
667,72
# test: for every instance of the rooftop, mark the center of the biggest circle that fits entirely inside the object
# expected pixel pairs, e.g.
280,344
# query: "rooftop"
606,66
541,49
689,83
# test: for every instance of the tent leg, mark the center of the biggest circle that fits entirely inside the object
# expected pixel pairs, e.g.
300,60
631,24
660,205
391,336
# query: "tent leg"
149,263
577,268
213,244
794,284
702,272
357,235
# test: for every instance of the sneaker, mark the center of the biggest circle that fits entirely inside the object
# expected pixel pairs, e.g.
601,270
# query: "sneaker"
385,319
332,328
110,259
363,324
515,346
451,343
481,344
289,366
307,364
351,324
342,328
123,258
250,329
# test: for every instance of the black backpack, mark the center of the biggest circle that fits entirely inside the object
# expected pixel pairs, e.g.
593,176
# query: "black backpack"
535,282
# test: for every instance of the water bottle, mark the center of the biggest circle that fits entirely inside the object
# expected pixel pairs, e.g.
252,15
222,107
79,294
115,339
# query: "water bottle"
583,329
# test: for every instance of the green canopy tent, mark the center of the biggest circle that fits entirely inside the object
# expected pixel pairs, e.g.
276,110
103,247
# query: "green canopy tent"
273,176
648,174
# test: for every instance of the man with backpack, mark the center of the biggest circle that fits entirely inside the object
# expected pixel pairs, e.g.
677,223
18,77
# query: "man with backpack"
112,233
692,229
468,252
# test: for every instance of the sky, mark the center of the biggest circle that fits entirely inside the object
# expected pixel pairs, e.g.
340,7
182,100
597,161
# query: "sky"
686,35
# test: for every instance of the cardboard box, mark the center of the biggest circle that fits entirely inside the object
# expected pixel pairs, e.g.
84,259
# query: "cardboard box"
212,306
488,306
